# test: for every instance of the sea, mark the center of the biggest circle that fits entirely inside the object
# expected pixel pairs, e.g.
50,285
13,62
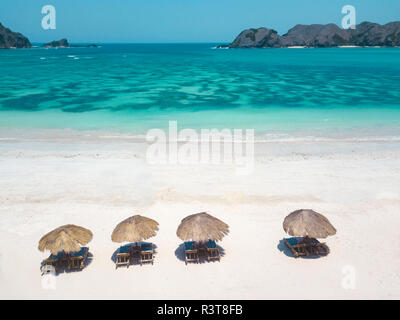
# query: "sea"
127,89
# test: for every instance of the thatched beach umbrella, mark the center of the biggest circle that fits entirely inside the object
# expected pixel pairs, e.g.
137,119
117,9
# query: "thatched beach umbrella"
135,229
202,227
68,238
308,223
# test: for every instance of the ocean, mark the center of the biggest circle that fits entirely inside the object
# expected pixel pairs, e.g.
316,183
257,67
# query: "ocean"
131,88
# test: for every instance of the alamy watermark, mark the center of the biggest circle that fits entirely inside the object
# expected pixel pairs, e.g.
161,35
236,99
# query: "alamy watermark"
49,20
349,20
48,280
206,146
349,277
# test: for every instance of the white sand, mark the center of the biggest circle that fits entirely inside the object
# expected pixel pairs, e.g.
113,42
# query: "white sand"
47,183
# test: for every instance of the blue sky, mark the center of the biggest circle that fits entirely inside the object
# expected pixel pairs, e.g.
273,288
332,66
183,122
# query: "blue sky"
179,20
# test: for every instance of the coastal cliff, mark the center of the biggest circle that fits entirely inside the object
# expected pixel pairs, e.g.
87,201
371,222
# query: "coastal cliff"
10,39
319,35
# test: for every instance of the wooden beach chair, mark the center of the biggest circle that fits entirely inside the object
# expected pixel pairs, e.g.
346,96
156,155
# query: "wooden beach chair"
123,257
146,253
76,260
319,248
296,247
191,253
212,251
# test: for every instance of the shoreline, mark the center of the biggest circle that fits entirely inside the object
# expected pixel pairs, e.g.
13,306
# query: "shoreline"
378,133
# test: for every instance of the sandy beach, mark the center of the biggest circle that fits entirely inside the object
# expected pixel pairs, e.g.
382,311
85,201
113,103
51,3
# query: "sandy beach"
48,180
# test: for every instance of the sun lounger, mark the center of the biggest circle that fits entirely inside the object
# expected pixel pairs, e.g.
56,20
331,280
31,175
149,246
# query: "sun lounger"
212,251
299,248
123,257
319,248
146,253
135,249
76,260
191,253
296,247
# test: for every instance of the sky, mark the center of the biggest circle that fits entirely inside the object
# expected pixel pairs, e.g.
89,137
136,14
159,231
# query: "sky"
102,21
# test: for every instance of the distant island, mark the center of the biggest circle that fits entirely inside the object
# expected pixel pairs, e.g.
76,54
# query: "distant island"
10,39
63,43
366,34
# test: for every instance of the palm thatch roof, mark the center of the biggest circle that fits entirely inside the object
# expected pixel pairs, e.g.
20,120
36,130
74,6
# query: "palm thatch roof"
68,238
306,222
201,227
135,229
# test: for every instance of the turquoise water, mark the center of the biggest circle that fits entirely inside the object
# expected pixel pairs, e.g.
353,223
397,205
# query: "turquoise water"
134,87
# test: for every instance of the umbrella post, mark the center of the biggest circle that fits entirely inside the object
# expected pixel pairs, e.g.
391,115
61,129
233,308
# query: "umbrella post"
306,239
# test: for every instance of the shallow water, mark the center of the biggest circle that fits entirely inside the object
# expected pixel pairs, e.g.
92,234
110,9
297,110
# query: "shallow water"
135,87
